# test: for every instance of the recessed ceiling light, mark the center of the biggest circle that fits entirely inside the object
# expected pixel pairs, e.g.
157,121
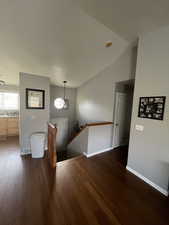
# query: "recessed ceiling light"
2,82
108,44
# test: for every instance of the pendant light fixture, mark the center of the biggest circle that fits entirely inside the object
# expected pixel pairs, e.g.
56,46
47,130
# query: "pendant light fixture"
2,83
66,105
62,103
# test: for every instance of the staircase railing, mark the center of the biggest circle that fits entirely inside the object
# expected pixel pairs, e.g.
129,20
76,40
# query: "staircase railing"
87,125
52,131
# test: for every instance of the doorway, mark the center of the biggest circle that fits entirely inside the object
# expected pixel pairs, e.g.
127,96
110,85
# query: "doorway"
122,116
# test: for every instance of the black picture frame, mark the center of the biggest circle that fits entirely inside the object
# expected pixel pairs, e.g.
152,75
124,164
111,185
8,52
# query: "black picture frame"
152,107
37,94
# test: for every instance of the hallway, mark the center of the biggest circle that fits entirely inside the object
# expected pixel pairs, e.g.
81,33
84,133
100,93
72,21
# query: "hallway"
94,191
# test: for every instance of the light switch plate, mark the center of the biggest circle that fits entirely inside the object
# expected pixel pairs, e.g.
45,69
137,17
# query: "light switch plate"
139,127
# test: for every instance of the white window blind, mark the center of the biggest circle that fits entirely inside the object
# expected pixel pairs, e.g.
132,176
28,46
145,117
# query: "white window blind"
9,101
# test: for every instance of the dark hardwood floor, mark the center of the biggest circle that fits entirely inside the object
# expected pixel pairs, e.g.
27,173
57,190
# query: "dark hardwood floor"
81,191
121,155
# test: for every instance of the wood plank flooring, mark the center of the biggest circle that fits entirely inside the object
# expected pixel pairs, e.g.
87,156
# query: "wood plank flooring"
95,191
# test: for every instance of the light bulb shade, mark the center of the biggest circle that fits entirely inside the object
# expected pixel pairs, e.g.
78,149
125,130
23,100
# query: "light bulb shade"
59,103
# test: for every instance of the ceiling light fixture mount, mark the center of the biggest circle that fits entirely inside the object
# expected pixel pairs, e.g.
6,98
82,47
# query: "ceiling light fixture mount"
108,44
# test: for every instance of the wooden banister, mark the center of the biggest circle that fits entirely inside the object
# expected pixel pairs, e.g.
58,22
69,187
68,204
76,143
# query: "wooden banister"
89,125
52,131
98,124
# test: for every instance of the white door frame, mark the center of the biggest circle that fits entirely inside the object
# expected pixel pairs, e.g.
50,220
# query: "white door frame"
117,94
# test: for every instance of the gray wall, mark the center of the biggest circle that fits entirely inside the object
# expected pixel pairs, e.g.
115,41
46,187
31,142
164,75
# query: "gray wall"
149,150
69,113
95,99
32,120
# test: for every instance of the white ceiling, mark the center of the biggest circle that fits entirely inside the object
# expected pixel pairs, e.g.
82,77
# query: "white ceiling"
53,38
65,39
129,18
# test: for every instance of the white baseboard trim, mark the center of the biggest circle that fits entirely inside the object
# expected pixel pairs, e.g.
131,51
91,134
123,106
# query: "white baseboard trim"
26,152
95,153
85,154
158,188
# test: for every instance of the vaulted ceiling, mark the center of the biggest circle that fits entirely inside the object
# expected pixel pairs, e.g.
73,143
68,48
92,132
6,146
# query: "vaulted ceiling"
65,39
129,18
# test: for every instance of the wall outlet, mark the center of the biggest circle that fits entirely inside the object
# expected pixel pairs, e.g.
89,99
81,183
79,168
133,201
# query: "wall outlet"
139,127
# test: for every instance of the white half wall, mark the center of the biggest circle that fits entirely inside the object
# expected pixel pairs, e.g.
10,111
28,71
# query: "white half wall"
92,140
99,138
149,149
32,120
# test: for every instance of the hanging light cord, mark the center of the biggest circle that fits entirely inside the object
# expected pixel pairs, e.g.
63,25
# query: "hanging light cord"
64,89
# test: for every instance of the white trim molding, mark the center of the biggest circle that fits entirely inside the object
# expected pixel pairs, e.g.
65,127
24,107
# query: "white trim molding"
158,188
26,152
98,152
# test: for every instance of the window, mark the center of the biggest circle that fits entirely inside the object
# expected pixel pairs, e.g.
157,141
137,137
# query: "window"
9,101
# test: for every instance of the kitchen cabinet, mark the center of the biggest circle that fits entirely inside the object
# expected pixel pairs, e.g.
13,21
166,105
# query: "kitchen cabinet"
13,126
3,128
9,126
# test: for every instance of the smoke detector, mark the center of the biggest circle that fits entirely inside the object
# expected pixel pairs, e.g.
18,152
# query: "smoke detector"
108,44
2,83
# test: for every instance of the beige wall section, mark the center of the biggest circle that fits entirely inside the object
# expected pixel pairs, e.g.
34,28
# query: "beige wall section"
32,120
69,113
149,150
9,88
95,100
